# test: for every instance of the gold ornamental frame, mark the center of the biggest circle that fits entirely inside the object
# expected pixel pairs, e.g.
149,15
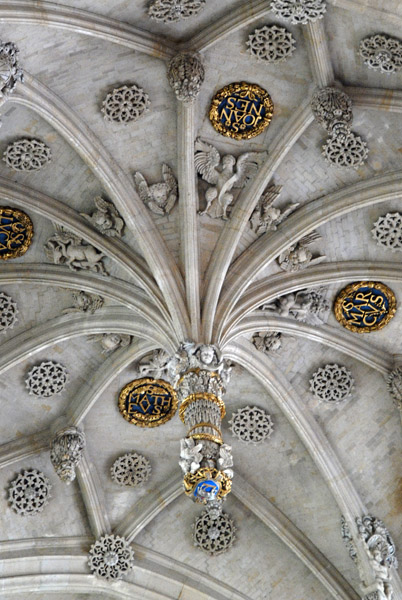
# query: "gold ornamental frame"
147,420
23,218
353,287
201,396
242,87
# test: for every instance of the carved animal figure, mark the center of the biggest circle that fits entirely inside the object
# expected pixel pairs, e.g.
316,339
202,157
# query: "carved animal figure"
159,197
298,256
106,218
223,175
66,248
266,217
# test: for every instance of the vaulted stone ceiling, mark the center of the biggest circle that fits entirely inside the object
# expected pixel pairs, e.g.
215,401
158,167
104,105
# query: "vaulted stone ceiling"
174,278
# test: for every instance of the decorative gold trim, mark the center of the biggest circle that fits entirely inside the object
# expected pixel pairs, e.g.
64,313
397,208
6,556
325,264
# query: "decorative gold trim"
210,425
27,224
191,480
353,287
249,90
147,420
197,370
201,396
207,436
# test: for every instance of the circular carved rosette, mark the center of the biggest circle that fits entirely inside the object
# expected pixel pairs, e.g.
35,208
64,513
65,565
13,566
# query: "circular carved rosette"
16,231
241,110
365,306
148,402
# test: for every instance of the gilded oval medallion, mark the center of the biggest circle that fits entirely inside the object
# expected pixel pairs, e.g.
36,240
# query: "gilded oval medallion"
148,402
16,231
241,110
365,306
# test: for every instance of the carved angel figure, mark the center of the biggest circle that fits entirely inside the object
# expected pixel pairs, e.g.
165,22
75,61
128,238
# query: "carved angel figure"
159,197
225,460
155,366
304,305
66,248
298,256
111,341
190,454
223,175
106,218
265,216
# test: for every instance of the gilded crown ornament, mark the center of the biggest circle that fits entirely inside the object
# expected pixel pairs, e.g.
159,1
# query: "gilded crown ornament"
241,110
16,232
201,376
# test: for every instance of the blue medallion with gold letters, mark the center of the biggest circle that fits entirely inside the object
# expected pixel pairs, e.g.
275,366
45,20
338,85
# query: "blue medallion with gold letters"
365,306
148,402
16,232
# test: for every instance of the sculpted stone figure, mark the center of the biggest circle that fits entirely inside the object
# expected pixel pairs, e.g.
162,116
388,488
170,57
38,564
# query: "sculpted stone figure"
298,256
265,216
111,341
155,366
190,455
159,197
304,305
267,342
10,73
223,174
66,248
85,302
106,218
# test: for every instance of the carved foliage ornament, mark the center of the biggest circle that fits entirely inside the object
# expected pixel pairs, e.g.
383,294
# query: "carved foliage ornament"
10,73
66,452
125,104
332,384
27,155
213,535
251,425
395,386
131,469
241,110
387,231
111,557
16,232
46,379
171,11
345,149
299,11
382,52
186,75
365,306
271,43
148,402
331,106
29,492
8,312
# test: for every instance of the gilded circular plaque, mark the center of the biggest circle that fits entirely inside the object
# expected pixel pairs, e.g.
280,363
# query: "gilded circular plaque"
148,402
16,231
241,110
365,306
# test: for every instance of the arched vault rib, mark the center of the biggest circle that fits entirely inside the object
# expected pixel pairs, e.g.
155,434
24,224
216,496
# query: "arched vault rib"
50,208
79,21
113,320
376,98
329,336
271,287
310,433
242,210
149,507
55,111
109,287
310,216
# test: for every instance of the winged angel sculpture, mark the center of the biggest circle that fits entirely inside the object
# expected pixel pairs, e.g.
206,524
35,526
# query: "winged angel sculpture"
223,174
159,197
106,218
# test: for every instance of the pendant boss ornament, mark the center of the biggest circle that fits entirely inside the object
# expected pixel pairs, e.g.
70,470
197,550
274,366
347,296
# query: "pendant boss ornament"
365,306
148,402
241,110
